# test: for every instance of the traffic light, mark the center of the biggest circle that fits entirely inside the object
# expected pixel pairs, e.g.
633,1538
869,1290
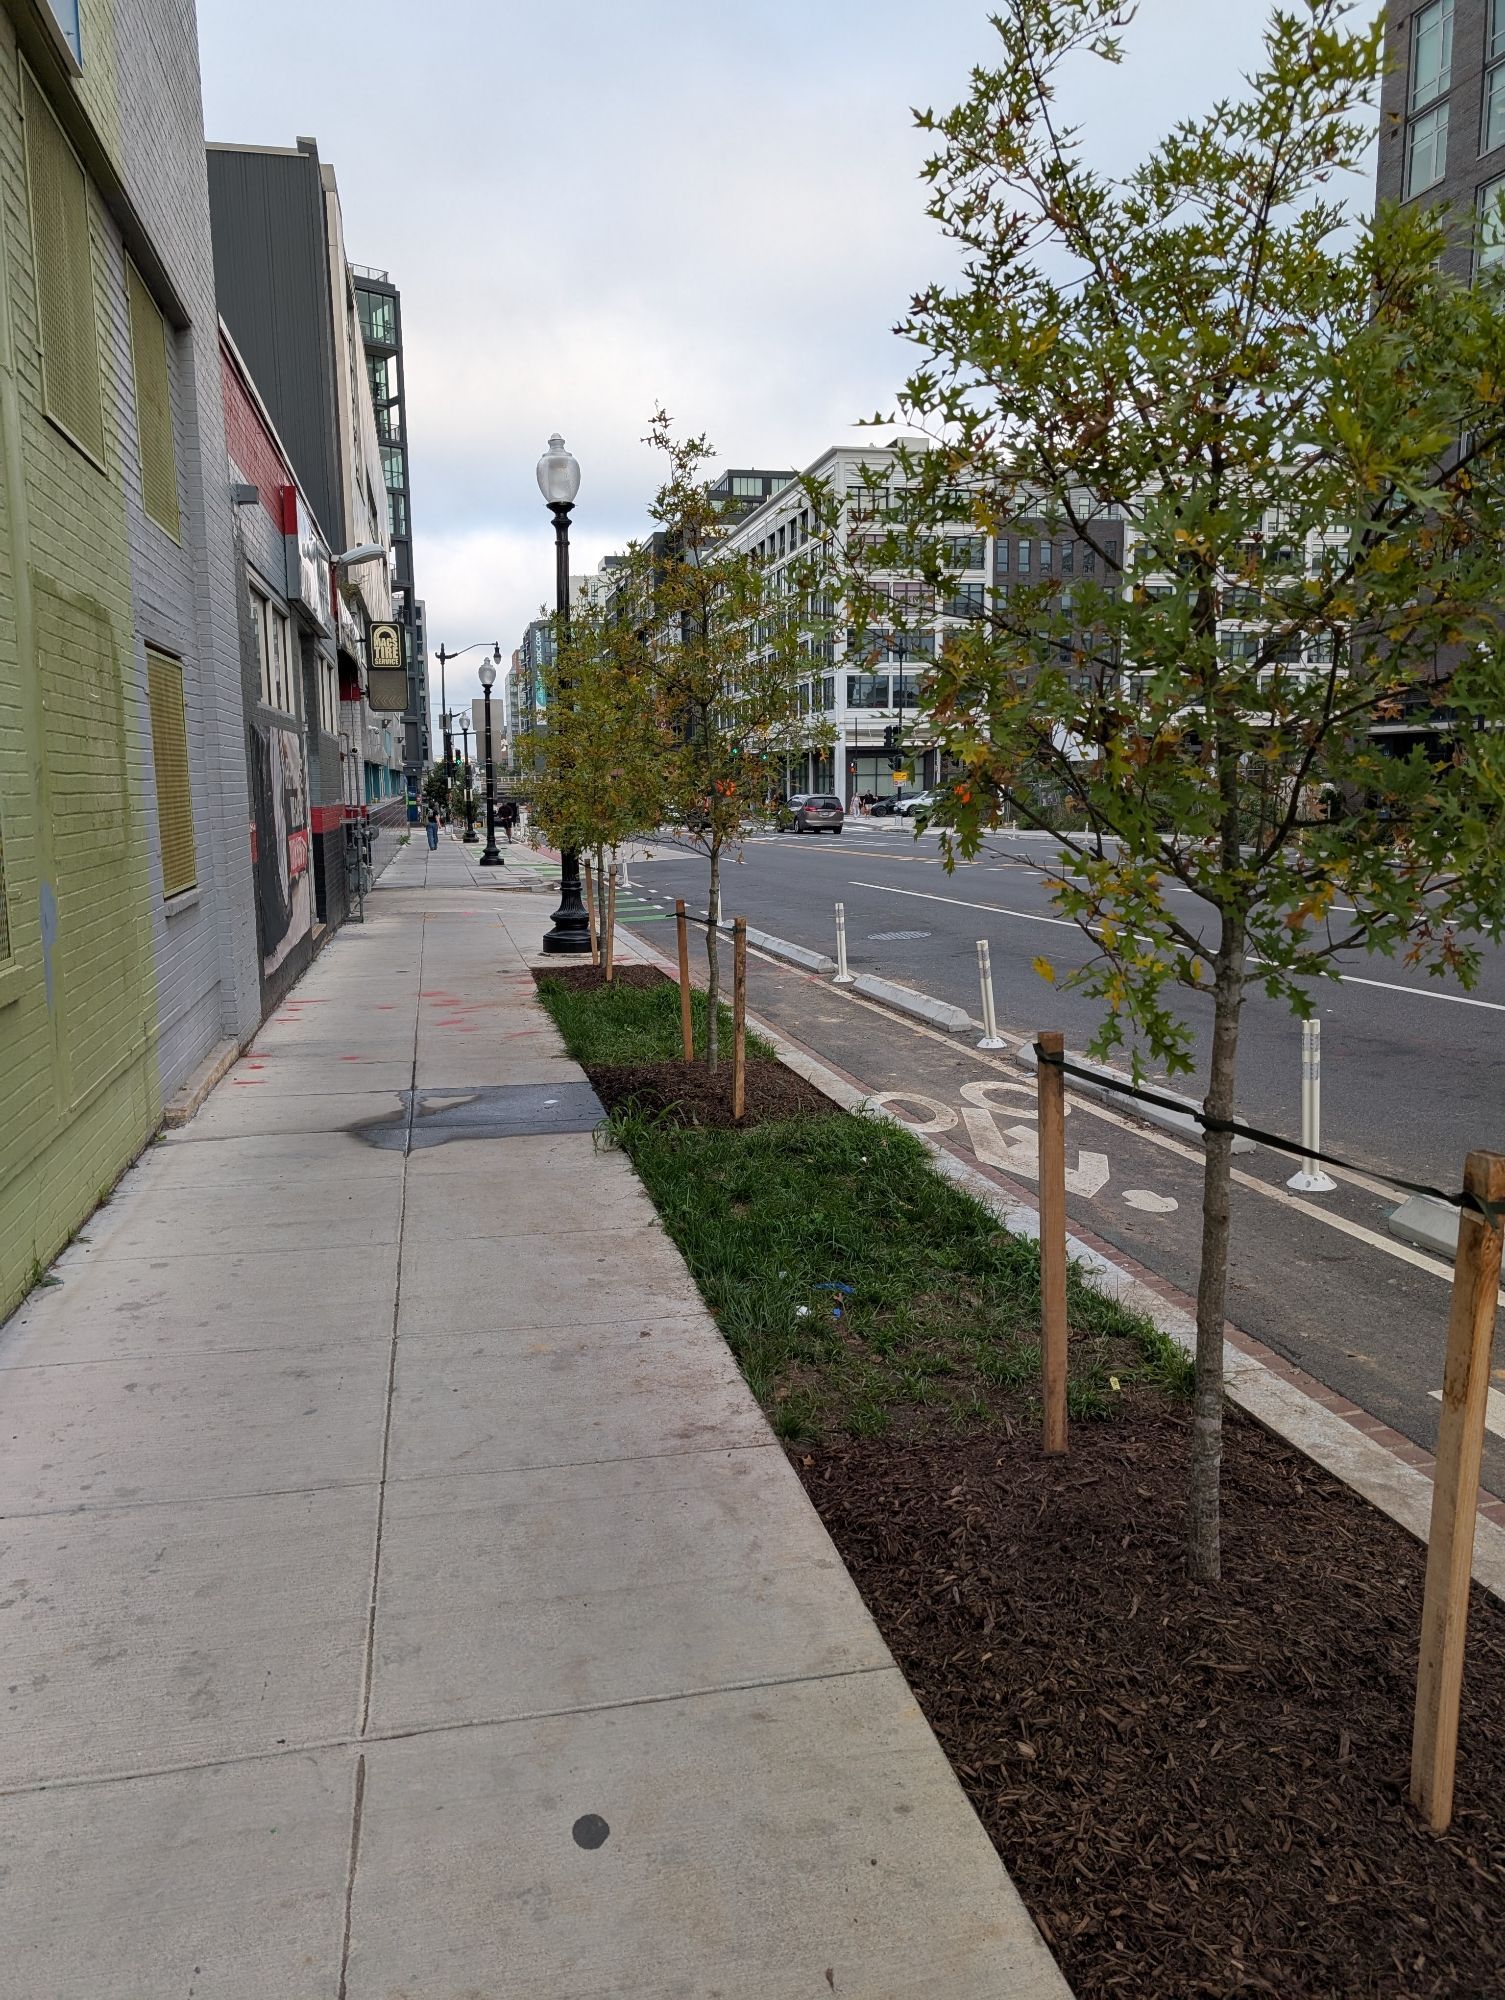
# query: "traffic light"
891,738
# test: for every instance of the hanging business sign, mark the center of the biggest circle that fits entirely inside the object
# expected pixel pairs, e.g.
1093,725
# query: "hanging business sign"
386,672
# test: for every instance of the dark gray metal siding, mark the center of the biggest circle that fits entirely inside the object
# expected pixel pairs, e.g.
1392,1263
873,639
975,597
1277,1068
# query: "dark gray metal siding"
271,275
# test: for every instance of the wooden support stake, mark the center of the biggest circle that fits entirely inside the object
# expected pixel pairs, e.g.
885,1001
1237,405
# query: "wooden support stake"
1051,1086
590,905
609,942
1455,1497
686,1017
739,1019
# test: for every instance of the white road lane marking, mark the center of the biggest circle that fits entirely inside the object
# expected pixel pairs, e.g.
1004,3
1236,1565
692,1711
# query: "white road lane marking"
1494,1411
1065,923
1151,1203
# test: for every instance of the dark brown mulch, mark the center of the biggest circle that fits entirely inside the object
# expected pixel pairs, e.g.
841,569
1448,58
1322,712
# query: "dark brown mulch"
1199,1792
587,978
690,1094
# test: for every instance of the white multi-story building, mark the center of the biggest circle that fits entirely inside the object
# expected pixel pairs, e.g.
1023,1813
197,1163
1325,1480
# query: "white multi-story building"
865,686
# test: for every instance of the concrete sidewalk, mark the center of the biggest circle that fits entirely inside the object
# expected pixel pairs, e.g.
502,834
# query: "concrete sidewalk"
402,1597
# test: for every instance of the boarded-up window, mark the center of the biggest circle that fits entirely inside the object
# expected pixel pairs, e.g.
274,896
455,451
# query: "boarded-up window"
170,755
65,274
159,465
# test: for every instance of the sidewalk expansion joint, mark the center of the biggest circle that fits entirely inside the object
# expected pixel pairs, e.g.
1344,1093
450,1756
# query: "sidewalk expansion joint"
362,1741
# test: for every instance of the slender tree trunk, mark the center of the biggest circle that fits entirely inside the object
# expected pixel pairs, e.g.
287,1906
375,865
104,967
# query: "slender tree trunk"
713,961
1204,1543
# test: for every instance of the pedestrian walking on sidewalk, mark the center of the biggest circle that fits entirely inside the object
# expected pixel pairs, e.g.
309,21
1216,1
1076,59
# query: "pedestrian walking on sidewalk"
432,828
509,818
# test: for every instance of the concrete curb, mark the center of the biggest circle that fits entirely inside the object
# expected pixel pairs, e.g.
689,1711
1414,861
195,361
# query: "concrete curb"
1364,1465
905,1000
1155,1114
1426,1225
796,954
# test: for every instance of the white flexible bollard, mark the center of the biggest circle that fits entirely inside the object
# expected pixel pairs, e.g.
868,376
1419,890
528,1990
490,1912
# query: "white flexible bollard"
991,1038
624,880
843,977
1311,1179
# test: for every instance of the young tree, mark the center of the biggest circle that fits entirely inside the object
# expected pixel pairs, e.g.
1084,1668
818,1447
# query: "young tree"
599,754
1272,433
729,653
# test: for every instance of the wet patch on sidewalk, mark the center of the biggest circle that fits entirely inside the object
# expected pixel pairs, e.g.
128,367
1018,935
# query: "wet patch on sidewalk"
435,1117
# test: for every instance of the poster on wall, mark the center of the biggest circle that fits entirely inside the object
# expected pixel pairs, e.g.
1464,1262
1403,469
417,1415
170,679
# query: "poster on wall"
283,883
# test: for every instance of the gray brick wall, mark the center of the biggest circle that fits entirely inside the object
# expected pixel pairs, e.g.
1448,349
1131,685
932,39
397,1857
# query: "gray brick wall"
1468,167
185,592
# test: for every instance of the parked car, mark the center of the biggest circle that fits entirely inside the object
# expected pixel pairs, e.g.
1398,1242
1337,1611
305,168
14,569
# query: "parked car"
888,807
812,812
918,802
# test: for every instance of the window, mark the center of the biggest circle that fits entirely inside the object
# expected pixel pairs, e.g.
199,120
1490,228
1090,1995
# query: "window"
867,690
272,652
391,467
159,465
745,487
1089,559
828,692
1068,558
965,600
1493,133
906,690
378,316
1045,555
1025,549
164,682
1431,52
329,698
1491,224
967,552
381,370
783,550
399,503
1426,150
65,13
64,275
1001,556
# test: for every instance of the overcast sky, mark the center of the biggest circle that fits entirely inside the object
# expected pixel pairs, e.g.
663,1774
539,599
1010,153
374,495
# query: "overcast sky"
594,206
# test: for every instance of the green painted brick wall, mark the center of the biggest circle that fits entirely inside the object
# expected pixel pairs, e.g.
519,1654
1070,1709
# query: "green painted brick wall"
79,1095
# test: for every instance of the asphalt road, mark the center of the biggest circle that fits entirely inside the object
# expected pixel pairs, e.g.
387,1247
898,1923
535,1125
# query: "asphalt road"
1412,1081
1413,1070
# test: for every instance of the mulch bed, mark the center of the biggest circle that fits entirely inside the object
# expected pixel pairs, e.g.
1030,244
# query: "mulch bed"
1199,1792
588,978
690,1094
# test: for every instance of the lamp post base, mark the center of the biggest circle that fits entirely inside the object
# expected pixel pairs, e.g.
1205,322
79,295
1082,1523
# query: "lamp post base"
491,859
570,930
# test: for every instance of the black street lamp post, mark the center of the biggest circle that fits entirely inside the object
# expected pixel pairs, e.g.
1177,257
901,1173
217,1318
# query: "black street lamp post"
469,835
446,720
559,482
491,857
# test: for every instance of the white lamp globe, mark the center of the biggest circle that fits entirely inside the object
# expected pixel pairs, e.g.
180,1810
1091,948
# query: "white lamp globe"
558,474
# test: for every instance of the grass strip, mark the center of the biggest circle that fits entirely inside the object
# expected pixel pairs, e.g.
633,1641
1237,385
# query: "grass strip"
634,1024
858,1289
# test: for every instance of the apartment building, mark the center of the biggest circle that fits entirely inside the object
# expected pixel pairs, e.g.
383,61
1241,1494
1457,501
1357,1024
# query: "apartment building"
128,955
864,687
379,306
1442,119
